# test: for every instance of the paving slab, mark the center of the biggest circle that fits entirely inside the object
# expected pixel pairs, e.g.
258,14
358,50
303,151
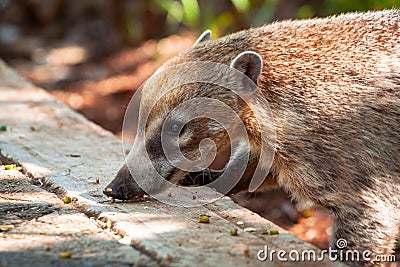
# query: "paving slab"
62,154
41,230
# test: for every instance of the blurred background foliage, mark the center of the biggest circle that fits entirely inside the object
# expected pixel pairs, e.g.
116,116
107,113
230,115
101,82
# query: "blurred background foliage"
227,16
136,21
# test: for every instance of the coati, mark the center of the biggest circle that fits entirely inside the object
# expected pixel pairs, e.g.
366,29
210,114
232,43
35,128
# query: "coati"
333,86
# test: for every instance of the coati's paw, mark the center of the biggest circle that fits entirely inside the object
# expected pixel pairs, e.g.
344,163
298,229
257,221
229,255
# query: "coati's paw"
200,178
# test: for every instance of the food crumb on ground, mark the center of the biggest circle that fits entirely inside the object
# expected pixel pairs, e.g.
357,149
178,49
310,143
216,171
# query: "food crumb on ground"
204,219
11,167
270,232
67,200
65,255
249,229
234,232
6,227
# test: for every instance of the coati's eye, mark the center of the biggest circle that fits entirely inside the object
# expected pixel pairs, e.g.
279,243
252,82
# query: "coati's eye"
175,128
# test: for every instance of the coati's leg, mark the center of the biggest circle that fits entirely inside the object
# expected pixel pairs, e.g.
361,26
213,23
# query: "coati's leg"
373,229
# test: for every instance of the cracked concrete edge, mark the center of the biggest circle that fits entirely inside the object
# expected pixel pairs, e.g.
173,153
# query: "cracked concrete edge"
12,77
38,254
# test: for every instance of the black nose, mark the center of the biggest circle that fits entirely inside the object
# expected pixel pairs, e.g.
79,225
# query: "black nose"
115,191
123,186
123,191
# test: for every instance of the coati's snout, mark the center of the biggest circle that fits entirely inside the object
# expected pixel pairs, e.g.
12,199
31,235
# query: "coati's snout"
123,186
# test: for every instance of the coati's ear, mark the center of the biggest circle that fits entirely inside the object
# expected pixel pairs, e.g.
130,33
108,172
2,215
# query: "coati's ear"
205,36
250,63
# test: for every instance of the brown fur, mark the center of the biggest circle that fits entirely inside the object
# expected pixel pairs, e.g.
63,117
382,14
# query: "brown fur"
333,86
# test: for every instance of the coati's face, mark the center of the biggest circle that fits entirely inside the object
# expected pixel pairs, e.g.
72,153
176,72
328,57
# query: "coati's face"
180,131
177,126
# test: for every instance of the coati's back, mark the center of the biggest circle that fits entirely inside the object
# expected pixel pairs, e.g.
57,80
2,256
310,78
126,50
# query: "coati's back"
341,45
